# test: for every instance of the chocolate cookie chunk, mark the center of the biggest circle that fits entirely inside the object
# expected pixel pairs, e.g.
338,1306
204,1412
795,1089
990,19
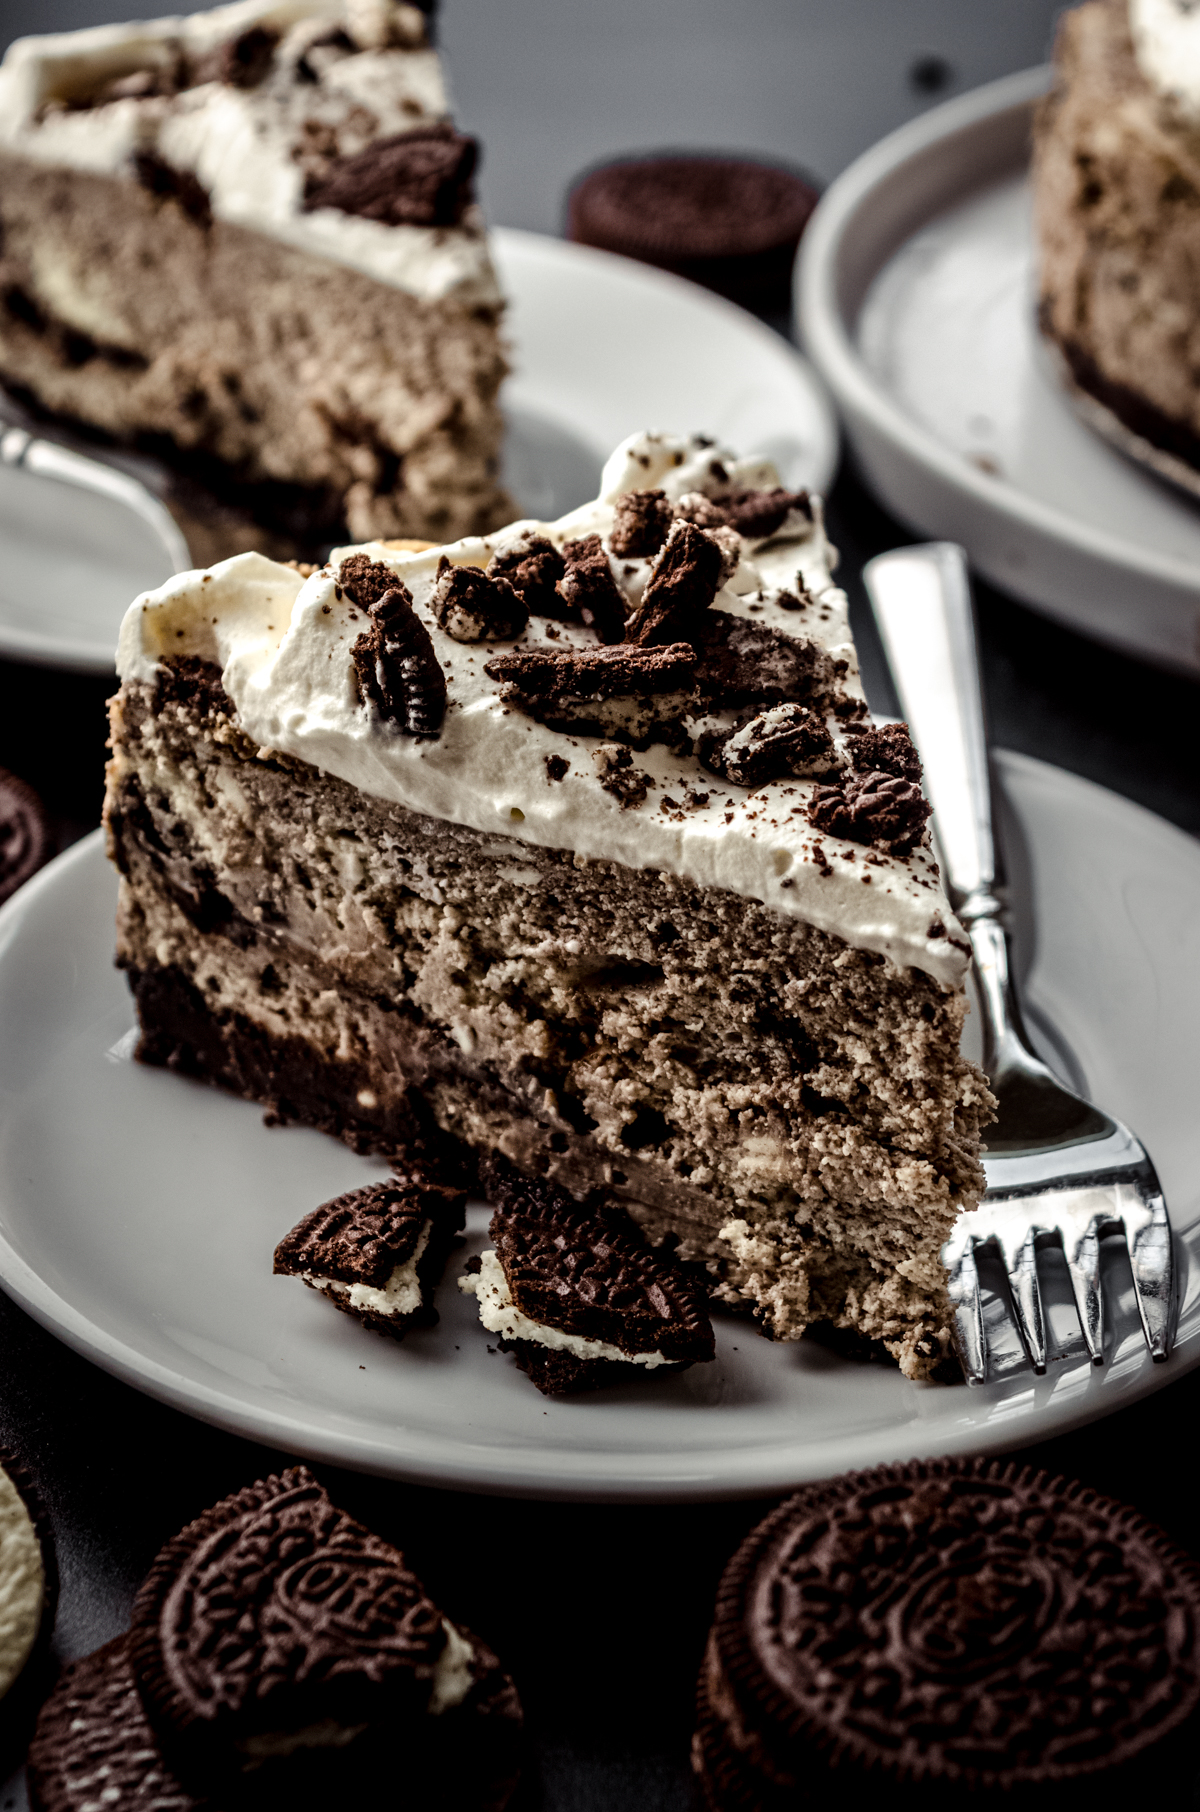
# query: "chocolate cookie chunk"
686,578
276,1638
641,523
729,223
24,834
633,695
95,1747
588,591
746,663
398,672
418,178
789,739
474,606
950,1632
28,1597
533,567
378,1252
576,1294
880,809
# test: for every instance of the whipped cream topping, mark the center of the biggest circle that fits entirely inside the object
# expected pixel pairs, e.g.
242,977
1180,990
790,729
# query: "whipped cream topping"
284,644
245,146
1166,43
500,1315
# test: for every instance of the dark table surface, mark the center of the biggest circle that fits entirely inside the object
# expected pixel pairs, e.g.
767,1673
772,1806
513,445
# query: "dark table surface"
600,1612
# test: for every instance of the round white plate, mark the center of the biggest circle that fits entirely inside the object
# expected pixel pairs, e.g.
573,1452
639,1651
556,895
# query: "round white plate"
916,292
139,1212
601,347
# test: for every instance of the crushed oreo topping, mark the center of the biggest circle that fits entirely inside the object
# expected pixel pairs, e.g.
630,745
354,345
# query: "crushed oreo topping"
240,62
398,671
686,578
472,606
633,695
365,580
760,514
589,591
618,776
880,809
533,566
557,768
169,184
788,739
887,749
695,507
418,178
746,663
641,523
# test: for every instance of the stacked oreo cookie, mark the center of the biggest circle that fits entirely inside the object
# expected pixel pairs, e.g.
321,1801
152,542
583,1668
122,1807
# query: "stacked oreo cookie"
279,1650
946,1629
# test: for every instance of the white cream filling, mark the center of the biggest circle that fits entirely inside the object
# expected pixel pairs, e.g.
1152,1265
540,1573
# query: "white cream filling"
500,1315
22,1583
400,1295
1166,43
452,1676
240,143
284,647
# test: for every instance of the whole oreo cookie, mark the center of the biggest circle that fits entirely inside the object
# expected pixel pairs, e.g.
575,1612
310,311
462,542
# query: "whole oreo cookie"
24,834
729,223
946,1629
276,1642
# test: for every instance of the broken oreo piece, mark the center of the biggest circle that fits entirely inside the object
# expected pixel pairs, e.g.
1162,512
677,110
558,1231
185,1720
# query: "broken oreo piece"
533,566
240,62
576,1294
365,580
741,662
25,844
589,591
880,809
417,178
277,1640
641,523
686,578
398,671
787,739
474,606
760,514
887,749
634,695
377,1252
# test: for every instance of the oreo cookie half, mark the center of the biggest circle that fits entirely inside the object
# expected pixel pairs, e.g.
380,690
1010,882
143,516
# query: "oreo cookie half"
378,1253
945,1629
576,1294
277,1645
25,843
28,1595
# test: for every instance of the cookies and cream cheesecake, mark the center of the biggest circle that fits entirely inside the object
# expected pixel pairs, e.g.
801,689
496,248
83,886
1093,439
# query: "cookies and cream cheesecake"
574,843
246,241
1116,175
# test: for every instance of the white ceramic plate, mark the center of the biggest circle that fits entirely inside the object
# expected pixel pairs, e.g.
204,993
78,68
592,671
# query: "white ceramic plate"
916,294
601,347
139,1211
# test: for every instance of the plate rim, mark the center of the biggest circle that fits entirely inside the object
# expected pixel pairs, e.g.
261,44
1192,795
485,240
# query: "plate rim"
81,655
828,338
758,1471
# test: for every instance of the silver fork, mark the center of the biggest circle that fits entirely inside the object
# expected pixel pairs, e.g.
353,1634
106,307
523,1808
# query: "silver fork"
1060,1171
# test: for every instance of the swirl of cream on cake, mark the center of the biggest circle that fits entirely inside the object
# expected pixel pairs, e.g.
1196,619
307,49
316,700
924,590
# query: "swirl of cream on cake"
1166,43
284,643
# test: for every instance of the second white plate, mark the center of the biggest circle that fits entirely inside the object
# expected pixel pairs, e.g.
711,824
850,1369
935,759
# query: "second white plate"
917,296
601,347
139,1212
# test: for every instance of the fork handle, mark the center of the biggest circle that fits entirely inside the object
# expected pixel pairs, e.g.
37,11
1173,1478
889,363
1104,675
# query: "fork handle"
921,599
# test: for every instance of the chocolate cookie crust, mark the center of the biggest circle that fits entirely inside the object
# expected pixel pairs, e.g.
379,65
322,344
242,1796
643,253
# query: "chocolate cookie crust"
947,1627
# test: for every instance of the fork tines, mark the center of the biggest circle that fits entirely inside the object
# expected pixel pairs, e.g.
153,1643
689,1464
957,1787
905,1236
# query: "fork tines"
1017,1225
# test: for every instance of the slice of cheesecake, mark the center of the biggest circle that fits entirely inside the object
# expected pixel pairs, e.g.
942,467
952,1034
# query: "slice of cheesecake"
245,241
417,848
